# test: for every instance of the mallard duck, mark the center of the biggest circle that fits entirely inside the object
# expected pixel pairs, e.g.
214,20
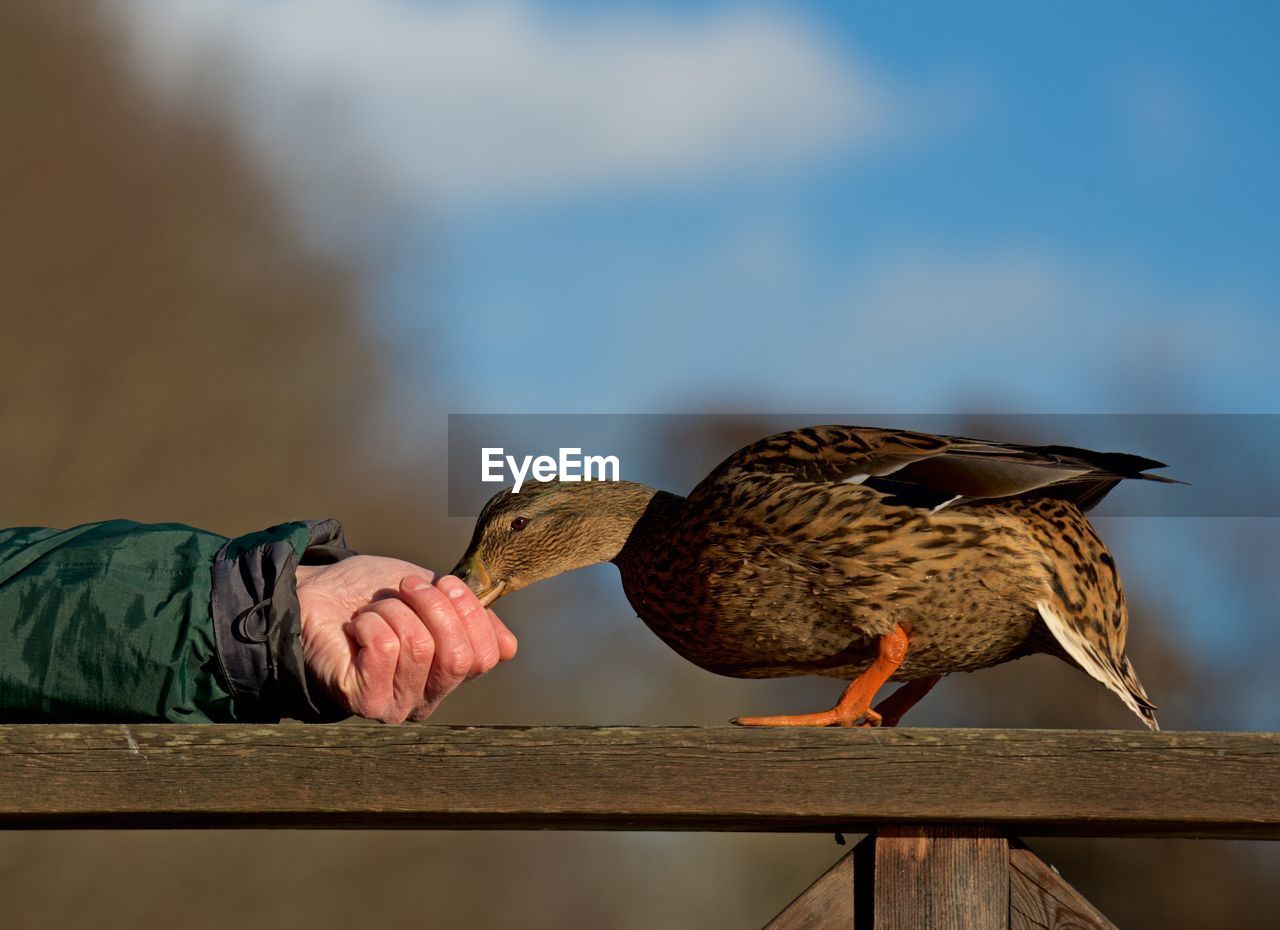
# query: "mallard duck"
855,553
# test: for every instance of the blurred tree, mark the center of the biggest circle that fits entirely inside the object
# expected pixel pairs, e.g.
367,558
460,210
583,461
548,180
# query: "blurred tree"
170,351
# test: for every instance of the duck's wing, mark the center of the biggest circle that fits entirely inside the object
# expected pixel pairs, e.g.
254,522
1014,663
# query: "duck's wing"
925,470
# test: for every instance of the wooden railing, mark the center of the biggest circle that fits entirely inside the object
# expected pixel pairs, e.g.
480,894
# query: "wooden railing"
941,806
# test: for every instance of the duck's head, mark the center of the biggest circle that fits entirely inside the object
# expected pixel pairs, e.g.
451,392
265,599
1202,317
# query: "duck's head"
549,528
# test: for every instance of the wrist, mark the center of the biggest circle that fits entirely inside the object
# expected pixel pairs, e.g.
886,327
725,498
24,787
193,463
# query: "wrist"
304,574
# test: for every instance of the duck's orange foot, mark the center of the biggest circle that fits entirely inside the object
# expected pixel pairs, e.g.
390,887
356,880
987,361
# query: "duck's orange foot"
836,717
854,707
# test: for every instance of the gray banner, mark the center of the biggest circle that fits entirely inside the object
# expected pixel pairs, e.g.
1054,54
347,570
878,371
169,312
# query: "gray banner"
1231,461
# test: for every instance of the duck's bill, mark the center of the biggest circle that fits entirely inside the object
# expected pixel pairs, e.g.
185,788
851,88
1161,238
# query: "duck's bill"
472,570
492,594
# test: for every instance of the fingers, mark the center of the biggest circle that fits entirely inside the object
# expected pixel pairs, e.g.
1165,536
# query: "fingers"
371,693
417,645
475,620
455,654
483,626
468,644
392,663
507,644
416,653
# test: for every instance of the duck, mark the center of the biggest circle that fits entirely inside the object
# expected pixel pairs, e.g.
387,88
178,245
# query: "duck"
865,554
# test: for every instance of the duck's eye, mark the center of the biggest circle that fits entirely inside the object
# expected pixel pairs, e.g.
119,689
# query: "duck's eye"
519,523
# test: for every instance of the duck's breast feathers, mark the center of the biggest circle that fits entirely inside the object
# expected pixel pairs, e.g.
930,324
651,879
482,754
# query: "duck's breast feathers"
925,470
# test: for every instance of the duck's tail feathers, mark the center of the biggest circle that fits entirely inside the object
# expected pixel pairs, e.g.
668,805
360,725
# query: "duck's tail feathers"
1118,676
1145,706
1118,464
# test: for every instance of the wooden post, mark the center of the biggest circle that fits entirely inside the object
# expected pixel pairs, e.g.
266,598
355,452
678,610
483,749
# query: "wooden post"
941,878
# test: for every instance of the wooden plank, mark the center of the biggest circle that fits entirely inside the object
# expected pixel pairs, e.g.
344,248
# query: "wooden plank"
941,878
1041,899
1034,782
827,904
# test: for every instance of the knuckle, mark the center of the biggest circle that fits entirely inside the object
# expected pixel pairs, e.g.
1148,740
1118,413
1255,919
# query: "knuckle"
456,662
422,648
440,607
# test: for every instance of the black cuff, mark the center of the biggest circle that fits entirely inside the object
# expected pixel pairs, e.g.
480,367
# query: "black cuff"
258,624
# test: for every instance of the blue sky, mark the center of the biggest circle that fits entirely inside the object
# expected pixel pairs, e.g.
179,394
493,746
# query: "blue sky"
936,208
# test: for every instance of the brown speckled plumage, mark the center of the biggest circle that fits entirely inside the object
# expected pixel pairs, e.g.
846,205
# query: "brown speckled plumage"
799,552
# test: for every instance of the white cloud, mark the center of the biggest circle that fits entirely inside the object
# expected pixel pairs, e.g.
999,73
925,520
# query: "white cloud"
1039,330
1160,116
493,102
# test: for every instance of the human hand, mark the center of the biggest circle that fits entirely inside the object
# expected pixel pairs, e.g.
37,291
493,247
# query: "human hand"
382,640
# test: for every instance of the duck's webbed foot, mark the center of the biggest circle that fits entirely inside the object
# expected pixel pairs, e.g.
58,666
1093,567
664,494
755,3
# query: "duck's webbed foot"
827,718
854,707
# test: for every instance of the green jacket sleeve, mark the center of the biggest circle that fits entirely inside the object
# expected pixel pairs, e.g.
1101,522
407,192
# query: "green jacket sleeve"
121,621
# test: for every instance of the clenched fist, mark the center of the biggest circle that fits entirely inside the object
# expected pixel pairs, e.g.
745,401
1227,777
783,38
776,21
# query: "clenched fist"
379,637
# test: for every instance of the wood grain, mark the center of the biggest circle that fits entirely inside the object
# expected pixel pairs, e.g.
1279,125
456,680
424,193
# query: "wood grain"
1040,899
827,904
1032,782
941,878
